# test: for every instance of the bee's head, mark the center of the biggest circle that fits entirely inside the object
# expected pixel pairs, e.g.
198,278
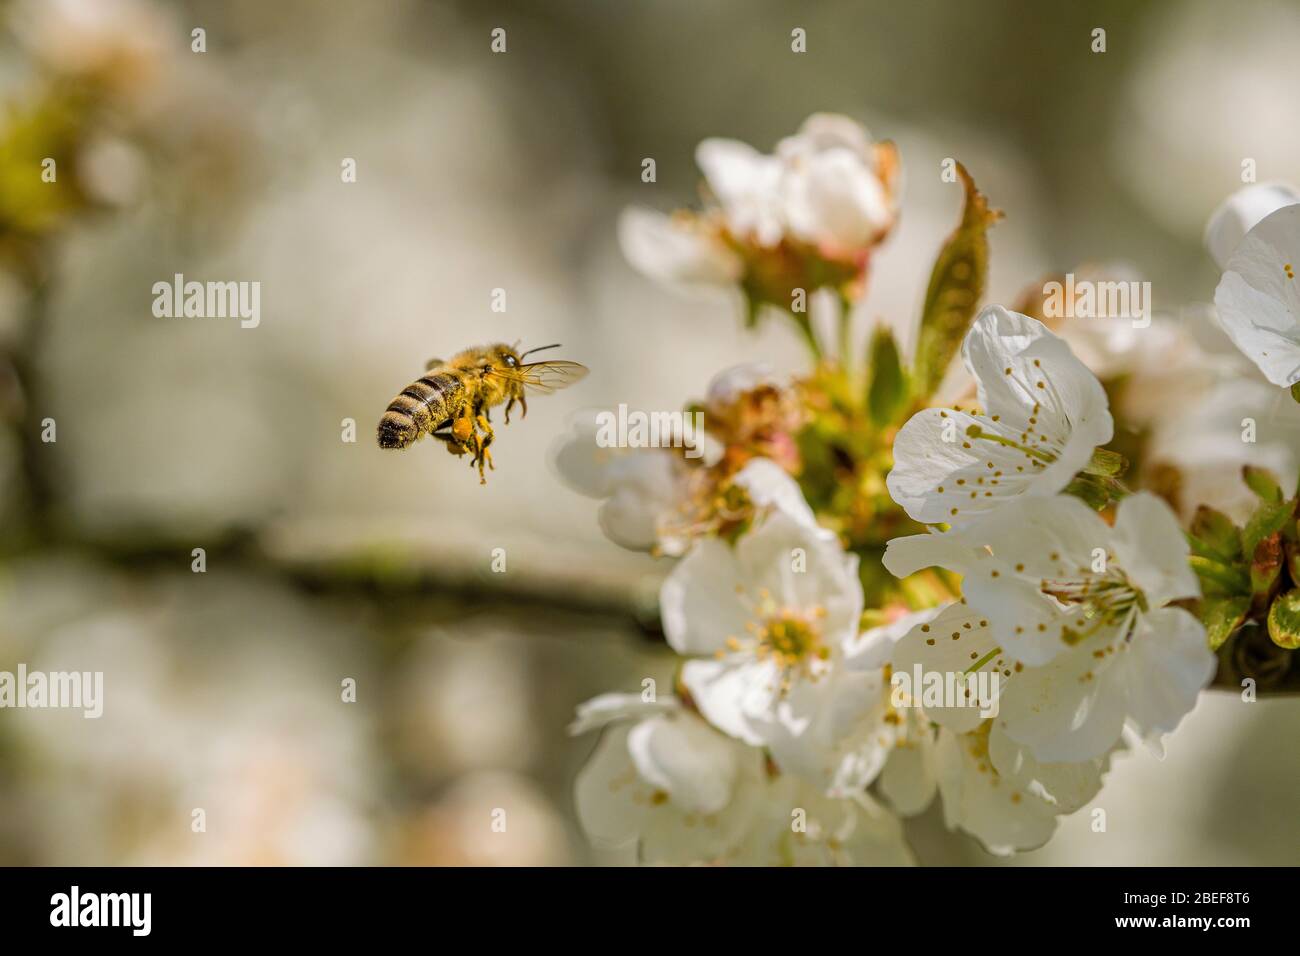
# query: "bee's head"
509,357
505,356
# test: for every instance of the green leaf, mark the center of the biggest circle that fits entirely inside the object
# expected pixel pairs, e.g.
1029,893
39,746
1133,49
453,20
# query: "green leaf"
888,389
1295,391
956,284
1269,518
1263,482
1221,616
1107,464
1217,578
1284,620
1216,535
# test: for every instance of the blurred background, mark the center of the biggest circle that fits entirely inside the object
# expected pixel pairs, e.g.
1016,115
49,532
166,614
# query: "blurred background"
329,560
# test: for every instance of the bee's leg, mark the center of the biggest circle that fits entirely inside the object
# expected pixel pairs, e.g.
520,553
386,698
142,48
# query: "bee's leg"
488,434
454,445
523,404
509,405
463,430
470,425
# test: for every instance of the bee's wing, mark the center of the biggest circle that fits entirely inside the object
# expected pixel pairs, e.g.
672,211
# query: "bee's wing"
546,377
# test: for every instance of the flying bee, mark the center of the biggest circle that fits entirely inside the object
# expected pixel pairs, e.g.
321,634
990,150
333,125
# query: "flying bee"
452,401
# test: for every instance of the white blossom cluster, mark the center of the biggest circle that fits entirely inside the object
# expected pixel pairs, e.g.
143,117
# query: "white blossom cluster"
788,741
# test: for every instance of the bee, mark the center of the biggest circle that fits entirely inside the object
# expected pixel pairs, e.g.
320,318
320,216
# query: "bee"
452,401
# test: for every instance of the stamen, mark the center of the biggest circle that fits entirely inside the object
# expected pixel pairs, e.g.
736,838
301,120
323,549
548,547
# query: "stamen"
974,431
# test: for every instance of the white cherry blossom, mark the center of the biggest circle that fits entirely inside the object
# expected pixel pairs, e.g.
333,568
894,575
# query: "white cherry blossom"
768,623
991,787
851,728
1043,414
1258,300
668,783
828,187
1075,615
641,489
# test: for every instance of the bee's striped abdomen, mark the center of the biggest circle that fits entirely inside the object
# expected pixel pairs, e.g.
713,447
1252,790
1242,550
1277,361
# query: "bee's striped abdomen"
423,406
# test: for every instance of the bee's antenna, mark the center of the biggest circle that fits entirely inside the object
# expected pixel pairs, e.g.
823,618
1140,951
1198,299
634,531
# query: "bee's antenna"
540,348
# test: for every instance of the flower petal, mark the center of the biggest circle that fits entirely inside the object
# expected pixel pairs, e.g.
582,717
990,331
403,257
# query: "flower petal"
579,460
834,200
700,601
770,486
605,709
1044,415
831,732
1073,708
681,755
1047,389
1152,550
1170,665
771,556
1258,300
730,694
1240,213
601,792
676,250
746,183
941,475
908,780
1002,816
953,643
1069,785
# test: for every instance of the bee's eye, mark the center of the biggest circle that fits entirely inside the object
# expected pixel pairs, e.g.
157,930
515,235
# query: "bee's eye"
511,361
